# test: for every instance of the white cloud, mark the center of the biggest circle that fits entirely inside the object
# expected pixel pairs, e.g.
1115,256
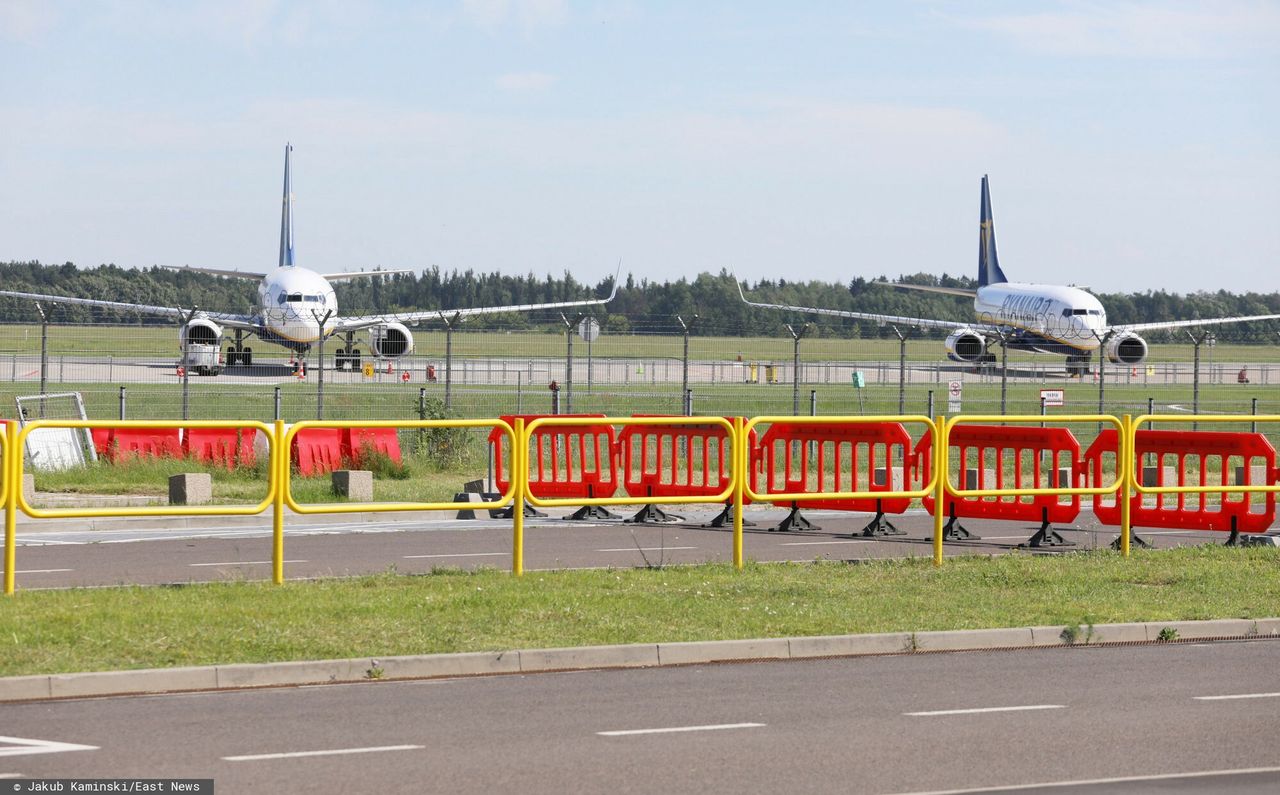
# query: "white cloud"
1142,30
524,82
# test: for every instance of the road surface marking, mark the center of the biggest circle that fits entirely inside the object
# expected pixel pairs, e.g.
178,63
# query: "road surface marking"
40,571
981,710
673,729
334,752
17,746
459,555
245,563
821,543
643,549
1240,695
1093,782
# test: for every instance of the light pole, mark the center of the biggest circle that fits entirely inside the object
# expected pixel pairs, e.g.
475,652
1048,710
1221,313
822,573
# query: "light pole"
797,334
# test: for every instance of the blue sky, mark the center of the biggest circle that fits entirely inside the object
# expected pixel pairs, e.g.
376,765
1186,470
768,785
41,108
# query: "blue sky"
1131,145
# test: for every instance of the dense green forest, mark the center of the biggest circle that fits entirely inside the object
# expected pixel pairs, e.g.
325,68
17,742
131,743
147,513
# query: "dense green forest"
641,306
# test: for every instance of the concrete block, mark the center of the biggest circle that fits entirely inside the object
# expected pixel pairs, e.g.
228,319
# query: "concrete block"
354,484
952,640
153,680
191,488
29,488
628,656
433,665
1257,476
850,645
21,688
291,673
1047,636
1268,626
880,476
467,497
971,481
1119,633
715,651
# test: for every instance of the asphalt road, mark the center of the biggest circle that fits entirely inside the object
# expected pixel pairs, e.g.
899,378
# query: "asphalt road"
1170,718
163,551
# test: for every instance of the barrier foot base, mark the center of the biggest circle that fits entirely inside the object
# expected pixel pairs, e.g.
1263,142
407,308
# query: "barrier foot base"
510,512
954,531
794,521
1046,536
1135,540
1233,540
725,518
652,514
880,525
591,512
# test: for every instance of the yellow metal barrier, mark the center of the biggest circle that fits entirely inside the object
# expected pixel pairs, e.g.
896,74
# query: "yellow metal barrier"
1120,487
1198,418
145,510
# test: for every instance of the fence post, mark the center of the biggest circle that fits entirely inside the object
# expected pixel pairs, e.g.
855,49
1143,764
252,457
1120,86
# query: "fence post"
277,404
939,488
929,413
1253,411
122,403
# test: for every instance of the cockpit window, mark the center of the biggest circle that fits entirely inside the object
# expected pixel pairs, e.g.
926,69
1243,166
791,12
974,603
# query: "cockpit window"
280,299
295,298
1080,311
1095,311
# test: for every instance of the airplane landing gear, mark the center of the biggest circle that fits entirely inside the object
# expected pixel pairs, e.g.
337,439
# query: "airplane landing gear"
238,353
1077,366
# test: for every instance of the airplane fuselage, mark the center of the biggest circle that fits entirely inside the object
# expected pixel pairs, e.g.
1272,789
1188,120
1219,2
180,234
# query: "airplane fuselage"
293,302
1043,317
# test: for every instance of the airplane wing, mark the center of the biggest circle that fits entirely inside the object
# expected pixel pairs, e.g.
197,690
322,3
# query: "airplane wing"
897,320
342,277
217,272
1168,324
925,288
345,324
246,322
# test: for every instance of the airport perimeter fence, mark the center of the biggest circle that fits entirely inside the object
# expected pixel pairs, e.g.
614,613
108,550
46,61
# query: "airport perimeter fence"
478,370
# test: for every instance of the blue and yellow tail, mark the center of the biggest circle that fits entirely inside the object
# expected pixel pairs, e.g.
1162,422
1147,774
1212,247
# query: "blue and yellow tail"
988,263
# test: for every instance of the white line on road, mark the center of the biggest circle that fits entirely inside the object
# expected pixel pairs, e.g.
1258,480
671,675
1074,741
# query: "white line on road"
643,549
458,555
334,752
244,563
1240,695
40,571
822,543
19,746
673,729
981,710
1093,782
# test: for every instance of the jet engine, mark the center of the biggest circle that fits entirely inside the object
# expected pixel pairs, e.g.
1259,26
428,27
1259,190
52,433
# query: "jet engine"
390,340
1126,348
966,345
200,331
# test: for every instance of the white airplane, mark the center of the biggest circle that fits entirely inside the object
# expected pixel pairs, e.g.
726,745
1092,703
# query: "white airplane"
295,303
1036,317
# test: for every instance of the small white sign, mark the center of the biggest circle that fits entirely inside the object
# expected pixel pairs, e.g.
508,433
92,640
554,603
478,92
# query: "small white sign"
1053,397
954,388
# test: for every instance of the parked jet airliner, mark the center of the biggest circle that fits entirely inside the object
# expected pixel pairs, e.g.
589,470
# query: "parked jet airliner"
1035,317
295,303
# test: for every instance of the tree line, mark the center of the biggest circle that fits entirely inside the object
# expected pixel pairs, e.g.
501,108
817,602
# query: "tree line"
708,303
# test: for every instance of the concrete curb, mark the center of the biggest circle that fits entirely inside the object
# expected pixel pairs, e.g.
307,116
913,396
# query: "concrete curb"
641,655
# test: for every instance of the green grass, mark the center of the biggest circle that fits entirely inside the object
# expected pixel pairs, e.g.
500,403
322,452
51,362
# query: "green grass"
43,632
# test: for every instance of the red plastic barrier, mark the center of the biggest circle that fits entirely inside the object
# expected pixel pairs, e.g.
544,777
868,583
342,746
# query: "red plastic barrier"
675,460
1205,452
317,450
846,457
565,461
1035,457
227,447
358,441
126,443
101,439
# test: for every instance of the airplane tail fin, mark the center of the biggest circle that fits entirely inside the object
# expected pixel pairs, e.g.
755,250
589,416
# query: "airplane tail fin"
286,216
988,263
